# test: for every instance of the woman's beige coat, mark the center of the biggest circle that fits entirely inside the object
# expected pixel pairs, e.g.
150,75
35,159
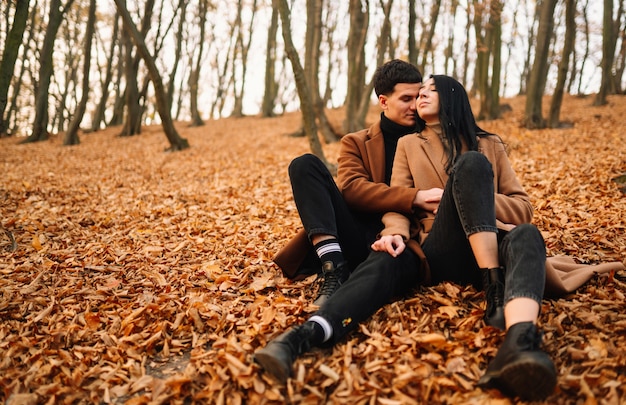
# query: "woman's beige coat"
420,163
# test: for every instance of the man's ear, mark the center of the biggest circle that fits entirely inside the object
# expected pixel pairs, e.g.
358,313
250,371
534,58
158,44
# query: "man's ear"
382,101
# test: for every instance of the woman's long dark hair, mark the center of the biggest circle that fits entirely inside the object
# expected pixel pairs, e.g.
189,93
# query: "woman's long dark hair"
456,118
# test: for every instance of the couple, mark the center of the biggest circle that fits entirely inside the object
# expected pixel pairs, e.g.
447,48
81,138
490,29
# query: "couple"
452,209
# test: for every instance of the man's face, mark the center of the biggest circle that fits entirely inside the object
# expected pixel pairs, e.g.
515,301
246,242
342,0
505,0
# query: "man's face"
399,106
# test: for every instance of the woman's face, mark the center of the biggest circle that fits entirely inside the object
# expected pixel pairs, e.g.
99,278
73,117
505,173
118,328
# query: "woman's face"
427,102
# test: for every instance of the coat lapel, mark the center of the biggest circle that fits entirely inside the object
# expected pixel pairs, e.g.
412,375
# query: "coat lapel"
375,147
433,148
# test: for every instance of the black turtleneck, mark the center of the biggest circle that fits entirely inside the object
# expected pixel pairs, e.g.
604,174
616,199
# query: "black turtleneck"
391,133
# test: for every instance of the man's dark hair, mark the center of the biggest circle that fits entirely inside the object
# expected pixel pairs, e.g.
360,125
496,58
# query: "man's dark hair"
393,72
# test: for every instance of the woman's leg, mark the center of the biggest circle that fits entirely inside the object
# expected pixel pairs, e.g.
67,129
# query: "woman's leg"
520,367
463,237
523,254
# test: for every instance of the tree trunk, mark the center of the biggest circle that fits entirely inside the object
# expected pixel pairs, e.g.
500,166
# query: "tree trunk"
271,87
176,142
194,75
242,48
9,56
412,42
178,46
381,46
426,40
71,135
609,40
306,100
312,66
539,71
40,125
568,47
98,115
359,21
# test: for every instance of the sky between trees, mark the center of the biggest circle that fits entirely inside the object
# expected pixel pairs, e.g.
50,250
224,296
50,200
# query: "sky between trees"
213,55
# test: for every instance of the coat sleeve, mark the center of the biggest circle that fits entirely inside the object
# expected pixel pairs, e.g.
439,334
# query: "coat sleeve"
396,223
357,184
512,202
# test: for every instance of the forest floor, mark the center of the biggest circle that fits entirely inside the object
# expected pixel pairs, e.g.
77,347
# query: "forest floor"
131,275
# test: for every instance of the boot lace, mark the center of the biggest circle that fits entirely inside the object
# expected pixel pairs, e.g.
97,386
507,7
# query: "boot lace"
332,280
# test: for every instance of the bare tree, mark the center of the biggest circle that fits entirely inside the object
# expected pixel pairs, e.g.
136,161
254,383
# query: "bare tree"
568,47
359,22
428,33
539,71
176,141
40,124
271,86
71,135
194,75
312,66
240,62
609,41
9,56
381,46
489,44
304,93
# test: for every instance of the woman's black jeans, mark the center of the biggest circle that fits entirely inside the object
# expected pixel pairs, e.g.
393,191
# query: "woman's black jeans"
467,207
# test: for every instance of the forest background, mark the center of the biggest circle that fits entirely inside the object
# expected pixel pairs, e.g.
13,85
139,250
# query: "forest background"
130,275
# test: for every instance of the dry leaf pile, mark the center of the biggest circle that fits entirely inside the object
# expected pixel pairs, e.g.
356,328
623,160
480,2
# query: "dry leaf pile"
130,275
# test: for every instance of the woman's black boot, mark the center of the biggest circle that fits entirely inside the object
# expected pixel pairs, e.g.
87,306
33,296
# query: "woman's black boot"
493,284
520,367
278,356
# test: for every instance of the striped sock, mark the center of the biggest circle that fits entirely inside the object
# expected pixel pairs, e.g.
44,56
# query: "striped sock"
329,251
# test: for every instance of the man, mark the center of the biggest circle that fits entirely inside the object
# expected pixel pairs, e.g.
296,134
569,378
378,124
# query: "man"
340,222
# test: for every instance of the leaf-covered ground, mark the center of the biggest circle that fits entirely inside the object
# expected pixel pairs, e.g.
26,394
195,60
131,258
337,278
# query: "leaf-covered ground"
131,275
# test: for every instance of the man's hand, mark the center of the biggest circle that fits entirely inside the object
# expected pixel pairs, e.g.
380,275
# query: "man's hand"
428,200
392,244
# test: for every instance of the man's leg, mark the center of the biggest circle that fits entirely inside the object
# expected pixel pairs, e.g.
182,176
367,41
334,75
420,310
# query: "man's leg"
372,284
337,238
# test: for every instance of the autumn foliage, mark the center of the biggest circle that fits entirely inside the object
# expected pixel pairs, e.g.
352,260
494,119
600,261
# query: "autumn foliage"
131,275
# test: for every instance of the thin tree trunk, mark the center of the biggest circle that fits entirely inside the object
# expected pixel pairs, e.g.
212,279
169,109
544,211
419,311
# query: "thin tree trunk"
176,142
382,45
271,87
194,76
98,116
71,135
359,21
40,124
412,42
306,100
539,72
609,40
312,66
9,56
182,8
568,47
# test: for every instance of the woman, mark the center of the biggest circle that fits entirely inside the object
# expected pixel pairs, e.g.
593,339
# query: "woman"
472,223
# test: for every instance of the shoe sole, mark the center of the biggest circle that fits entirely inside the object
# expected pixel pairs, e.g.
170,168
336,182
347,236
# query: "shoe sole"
528,379
272,366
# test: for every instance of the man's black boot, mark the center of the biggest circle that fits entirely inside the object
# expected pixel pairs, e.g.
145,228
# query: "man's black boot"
333,278
493,284
520,367
278,356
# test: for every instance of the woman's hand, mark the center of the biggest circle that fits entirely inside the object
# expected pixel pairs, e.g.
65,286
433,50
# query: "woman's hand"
392,244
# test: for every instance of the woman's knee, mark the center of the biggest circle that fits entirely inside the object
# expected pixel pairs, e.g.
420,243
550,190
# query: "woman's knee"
525,236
